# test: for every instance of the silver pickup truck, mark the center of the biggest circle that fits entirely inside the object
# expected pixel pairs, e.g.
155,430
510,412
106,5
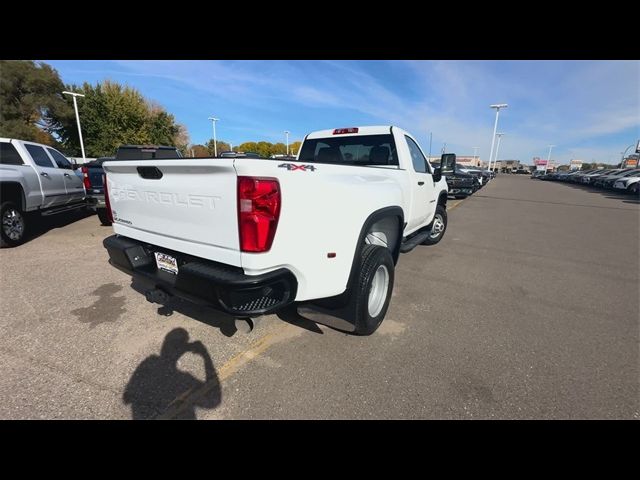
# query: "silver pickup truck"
35,180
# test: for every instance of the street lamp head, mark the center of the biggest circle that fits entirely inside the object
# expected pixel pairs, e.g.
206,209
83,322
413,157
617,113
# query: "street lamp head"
213,119
499,105
73,93
499,134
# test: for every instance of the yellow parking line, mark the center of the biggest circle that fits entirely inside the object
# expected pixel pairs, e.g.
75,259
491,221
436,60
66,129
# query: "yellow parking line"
259,346
455,205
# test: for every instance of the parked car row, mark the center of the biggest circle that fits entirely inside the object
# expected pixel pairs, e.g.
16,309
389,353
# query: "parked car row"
463,180
619,179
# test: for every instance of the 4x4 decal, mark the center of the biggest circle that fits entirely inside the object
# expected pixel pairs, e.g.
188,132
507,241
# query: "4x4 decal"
293,166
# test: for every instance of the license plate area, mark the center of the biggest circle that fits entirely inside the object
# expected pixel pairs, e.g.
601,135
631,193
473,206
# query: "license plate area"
166,263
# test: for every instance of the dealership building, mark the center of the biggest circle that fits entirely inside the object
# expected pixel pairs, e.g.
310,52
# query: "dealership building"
508,166
468,161
462,160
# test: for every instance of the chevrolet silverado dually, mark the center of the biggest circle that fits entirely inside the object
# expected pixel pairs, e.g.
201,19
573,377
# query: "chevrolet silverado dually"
252,236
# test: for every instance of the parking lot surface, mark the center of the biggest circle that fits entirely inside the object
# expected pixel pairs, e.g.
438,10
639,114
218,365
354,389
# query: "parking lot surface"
528,308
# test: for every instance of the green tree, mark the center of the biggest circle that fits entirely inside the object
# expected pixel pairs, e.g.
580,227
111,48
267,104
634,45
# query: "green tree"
161,126
182,139
294,147
264,149
278,149
113,115
248,147
30,94
221,145
199,151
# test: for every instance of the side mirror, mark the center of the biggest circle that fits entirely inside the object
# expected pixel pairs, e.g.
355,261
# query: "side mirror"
437,174
448,163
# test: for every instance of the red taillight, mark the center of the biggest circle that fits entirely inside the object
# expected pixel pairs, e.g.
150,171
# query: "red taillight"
341,131
85,178
258,212
106,197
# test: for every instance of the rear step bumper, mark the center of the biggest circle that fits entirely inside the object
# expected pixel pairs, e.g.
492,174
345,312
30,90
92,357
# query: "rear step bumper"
202,281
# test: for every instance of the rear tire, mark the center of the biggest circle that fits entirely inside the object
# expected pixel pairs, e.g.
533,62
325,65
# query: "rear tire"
438,226
13,225
102,215
372,292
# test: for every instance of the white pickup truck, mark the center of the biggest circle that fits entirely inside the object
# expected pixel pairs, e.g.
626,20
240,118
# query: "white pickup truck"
252,236
35,180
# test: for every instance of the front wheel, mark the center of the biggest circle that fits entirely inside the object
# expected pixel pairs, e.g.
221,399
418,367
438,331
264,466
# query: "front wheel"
634,189
373,288
438,226
12,230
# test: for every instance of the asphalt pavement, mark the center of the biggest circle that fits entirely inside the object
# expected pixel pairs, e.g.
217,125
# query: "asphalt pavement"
528,308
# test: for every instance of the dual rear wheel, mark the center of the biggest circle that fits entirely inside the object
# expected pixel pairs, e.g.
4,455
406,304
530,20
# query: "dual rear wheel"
374,285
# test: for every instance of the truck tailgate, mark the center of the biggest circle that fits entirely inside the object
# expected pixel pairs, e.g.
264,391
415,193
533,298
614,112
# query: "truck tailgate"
95,177
184,205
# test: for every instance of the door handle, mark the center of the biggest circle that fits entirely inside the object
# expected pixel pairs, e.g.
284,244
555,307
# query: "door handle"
44,174
420,183
67,175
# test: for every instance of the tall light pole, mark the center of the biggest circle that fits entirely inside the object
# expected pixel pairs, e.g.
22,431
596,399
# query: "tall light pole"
430,139
215,142
497,106
495,161
549,157
475,155
75,106
287,132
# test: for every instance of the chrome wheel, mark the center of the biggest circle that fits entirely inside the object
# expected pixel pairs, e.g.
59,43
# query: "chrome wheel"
13,224
378,292
438,226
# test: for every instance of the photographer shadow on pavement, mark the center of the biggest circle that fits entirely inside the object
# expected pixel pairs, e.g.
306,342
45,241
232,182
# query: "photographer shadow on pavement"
159,388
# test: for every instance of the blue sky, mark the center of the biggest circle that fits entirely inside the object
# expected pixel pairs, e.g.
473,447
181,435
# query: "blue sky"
589,109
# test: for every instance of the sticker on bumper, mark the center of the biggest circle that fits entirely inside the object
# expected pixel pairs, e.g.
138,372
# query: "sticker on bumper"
166,262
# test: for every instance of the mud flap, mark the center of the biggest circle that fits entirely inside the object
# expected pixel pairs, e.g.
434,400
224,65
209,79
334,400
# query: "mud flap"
341,318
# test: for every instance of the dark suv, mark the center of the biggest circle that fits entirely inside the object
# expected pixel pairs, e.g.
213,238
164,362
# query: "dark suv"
460,184
146,152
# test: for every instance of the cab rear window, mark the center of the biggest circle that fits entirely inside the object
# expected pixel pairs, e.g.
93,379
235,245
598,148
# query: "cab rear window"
362,150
